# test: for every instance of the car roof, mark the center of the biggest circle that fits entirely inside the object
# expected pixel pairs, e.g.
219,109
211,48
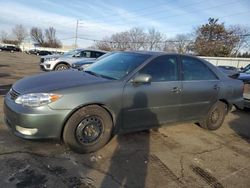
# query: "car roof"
158,53
80,49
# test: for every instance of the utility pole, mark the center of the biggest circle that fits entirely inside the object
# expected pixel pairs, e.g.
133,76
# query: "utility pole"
77,22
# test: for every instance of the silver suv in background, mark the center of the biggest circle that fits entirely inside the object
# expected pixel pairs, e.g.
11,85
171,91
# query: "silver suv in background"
63,62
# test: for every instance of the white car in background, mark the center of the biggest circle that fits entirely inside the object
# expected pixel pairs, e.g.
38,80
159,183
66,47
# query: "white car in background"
65,61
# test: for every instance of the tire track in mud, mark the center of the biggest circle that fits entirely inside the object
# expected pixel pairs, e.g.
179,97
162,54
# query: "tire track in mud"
206,176
164,170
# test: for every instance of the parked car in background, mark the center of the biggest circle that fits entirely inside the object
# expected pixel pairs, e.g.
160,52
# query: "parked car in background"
81,65
245,68
1,46
50,63
229,71
43,53
32,51
245,77
124,92
10,48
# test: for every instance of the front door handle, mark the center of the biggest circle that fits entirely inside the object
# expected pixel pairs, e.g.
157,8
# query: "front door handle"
176,90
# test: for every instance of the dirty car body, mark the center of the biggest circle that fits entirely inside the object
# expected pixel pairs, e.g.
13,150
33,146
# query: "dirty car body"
245,77
134,90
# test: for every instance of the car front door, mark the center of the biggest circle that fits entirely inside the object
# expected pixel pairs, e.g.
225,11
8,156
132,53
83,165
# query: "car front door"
154,103
200,87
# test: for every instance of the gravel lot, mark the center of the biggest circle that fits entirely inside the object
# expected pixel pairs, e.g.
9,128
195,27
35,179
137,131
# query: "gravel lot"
176,156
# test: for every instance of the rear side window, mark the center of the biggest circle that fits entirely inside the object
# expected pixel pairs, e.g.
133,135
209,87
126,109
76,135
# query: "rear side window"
97,54
194,69
162,69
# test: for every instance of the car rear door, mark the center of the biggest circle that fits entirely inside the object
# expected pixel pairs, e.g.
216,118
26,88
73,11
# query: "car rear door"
200,88
148,105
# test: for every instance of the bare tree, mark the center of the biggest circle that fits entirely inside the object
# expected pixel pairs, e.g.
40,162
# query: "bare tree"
102,45
154,39
37,35
20,33
182,42
45,40
4,36
137,38
6,39
242,32
51,40
120,41
133,39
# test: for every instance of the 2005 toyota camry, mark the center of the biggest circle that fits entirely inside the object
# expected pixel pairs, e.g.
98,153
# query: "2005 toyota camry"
124,92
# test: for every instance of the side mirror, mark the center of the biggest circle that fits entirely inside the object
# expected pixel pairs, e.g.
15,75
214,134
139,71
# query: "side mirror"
142,79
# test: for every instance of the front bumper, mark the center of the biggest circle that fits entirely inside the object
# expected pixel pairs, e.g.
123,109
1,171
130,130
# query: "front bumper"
48,65
45,67
48,123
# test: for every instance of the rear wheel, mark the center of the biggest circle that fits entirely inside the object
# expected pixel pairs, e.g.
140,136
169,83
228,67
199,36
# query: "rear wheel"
215,116
88,129
61,67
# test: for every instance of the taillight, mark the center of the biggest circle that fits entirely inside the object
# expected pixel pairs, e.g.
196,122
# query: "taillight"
246,88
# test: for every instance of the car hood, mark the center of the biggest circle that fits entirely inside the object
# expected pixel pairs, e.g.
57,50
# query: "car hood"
51,81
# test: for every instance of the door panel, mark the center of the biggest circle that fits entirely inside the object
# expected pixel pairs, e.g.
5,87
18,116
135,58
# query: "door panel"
197,97
200,88
151,104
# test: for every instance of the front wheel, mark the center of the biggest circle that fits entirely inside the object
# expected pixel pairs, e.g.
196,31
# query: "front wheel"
88,129
61,67
215,116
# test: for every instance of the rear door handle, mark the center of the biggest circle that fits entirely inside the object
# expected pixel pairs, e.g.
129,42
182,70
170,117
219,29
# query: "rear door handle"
216,87
176,90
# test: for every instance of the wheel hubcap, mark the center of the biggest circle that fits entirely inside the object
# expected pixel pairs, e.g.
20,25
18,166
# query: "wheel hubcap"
89,130
62,67
215,116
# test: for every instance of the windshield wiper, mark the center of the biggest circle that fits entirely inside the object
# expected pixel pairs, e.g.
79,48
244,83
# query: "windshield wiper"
99,75
110,78
92,73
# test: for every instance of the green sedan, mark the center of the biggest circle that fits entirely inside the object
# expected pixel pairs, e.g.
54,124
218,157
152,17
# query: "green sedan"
123,92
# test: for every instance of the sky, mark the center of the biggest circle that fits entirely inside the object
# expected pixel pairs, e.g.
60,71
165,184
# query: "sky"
99,19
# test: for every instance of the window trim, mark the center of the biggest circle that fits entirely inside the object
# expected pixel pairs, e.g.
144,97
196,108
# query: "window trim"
159,56
199,60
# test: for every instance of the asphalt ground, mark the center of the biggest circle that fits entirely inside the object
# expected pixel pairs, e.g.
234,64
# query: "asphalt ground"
183,155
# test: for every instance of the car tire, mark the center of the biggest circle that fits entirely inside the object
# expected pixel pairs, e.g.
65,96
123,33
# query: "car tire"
61,67
215,116
88,129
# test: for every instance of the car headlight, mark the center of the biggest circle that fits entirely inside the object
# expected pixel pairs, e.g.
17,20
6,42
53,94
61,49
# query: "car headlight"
51,59
37,99
84,66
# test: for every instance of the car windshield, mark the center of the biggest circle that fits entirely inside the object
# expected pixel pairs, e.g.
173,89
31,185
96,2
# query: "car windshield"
71,53
117,66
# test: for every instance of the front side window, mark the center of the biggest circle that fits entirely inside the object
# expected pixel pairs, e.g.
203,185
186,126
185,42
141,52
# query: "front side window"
86,54
162,69
194,69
